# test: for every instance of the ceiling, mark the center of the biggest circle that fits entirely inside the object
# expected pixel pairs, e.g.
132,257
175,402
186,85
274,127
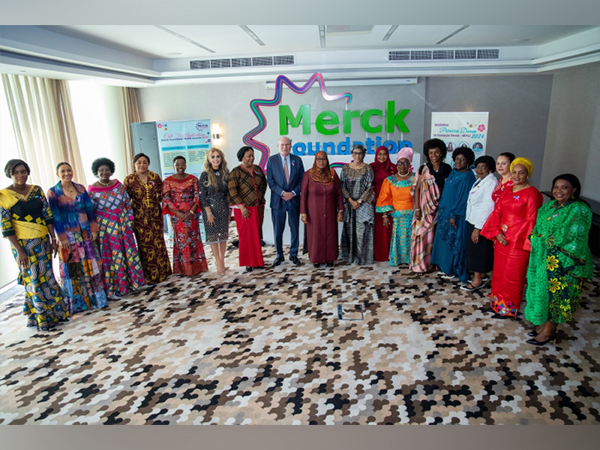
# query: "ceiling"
149,55
232,40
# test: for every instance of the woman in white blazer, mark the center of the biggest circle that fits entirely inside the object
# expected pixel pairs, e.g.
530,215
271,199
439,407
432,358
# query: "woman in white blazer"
480,251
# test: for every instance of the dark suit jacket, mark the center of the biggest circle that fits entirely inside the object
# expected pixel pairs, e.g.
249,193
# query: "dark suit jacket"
278,185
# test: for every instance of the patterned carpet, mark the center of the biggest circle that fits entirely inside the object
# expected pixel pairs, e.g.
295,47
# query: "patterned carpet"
268,347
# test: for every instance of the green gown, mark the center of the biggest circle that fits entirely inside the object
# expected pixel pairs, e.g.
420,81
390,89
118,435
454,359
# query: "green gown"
560,262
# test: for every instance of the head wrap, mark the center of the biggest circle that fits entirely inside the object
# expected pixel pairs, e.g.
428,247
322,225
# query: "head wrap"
523,161
382,170
407,153
324,175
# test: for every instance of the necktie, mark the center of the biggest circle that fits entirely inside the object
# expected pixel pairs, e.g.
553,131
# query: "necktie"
286,171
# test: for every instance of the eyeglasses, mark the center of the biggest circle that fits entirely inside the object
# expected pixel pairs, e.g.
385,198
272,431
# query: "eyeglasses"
404,163
321,159
357,153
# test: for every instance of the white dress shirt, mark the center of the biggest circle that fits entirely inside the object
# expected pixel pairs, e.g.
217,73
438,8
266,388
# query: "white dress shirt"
480,204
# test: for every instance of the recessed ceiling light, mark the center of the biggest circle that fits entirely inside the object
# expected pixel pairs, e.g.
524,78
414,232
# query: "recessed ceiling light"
174,53
22,71
518,41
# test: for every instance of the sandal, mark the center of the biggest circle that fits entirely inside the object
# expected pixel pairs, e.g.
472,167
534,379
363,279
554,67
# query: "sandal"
472,288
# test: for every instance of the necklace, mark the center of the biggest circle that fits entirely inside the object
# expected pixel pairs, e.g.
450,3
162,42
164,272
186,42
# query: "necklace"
107,184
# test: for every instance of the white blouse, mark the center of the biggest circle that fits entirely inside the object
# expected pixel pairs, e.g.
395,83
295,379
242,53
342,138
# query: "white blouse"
480,204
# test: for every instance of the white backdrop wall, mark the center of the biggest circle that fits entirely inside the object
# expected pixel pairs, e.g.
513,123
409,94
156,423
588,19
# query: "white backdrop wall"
229,106
573,139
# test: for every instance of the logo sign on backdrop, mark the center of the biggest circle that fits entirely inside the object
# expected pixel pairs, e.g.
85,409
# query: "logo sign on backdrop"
390,118
187,138
461,129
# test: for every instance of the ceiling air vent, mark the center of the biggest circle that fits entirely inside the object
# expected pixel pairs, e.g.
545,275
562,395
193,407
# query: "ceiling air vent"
443,54
420,55
262,61
241,62
283,60
219,63
399,56
200,64
465,54
491,53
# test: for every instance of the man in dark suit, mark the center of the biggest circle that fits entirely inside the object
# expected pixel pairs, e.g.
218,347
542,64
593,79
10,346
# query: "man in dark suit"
284,175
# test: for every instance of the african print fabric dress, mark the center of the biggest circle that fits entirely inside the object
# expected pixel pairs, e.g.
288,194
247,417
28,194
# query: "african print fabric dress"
27,217
188,251
120,260
357,231
81,265
396,200
148,226
560,262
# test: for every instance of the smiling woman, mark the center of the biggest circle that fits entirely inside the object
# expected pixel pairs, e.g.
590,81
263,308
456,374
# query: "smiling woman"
77,230
181,201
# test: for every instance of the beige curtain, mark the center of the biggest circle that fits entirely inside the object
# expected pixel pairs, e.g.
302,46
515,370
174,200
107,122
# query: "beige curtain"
131,114
42,119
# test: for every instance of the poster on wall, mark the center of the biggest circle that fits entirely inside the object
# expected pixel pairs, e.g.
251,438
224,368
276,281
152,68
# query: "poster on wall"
187,138
461,129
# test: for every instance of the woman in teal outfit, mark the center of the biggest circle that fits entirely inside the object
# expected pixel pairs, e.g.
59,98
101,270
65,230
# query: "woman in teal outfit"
560,260
450,243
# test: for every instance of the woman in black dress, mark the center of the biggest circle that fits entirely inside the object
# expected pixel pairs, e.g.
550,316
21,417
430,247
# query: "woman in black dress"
215,206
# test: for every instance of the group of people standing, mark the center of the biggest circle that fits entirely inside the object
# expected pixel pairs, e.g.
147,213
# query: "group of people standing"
464,223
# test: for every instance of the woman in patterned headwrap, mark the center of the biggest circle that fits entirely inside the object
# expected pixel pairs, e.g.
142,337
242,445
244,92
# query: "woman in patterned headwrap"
560,260
510,225
321,208
382,235
396,200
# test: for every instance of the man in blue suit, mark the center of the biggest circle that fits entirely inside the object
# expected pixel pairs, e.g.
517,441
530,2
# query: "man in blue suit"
284,175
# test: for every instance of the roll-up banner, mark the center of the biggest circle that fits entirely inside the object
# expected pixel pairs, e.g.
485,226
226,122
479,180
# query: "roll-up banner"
461,129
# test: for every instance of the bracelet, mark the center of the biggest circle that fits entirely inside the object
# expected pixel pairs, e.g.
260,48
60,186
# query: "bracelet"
418,210
208,213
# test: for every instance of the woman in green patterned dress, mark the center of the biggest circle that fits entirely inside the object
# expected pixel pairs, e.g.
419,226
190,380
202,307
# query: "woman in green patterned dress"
560,260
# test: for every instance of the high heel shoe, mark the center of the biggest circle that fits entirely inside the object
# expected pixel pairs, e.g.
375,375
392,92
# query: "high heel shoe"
547,341
532,333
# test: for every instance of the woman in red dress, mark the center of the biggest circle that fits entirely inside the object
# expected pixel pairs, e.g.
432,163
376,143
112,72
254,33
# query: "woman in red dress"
509,226
181,201
382,168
